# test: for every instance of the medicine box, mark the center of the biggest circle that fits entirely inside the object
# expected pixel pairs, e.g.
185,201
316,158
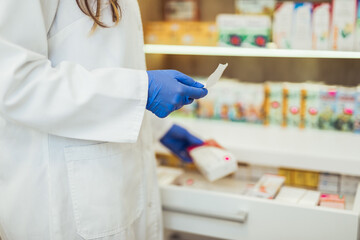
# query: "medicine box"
311,179
310,103
224,99
291,104
248,103
343,25
290,195
299,178
349,184
321,26
310,199
267,187
345,106
273,103
298,196
329,183
181,10
288,174
255,6
283,24
213,162
301,37
181,33
327,107
243,30
332,201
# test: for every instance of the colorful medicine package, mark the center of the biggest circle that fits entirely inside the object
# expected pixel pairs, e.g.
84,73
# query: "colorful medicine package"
274,103
244,30
291,105
310,94
327,107
345,105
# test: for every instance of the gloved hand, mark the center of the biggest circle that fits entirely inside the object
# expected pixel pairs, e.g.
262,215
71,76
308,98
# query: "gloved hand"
169,90
178,139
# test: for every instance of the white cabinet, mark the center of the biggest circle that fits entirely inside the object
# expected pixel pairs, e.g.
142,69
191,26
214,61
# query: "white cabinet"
232,216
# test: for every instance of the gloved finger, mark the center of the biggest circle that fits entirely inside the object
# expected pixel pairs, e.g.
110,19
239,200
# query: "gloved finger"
195,93
185,79
188,100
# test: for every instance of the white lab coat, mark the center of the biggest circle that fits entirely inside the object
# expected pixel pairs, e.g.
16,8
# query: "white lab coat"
76,158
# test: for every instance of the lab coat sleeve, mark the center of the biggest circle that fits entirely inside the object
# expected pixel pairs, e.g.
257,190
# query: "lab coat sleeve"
68,100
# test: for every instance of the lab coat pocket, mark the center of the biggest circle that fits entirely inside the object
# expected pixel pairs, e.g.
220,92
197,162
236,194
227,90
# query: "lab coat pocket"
106,184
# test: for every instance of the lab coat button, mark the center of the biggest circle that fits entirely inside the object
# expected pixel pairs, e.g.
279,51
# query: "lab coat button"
149,204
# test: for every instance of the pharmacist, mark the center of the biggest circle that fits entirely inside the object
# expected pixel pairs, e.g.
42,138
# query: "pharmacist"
76,136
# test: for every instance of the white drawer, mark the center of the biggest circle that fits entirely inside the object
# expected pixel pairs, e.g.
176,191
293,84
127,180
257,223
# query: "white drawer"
230,216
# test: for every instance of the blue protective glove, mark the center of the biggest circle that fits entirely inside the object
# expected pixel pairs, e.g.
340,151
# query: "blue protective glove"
178,139
169,90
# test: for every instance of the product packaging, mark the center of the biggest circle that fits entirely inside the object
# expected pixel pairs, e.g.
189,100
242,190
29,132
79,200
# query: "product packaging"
267,186
310,199
329,183
290,195
311,179
321,26
248,105
327,107
273,103
237,111
243,30
213,162
349,184
357,112
310,104
288,174
224,99
301,37
343,25
345,105
332,201
299,178
181,33
283,24
181,10
291,105
255,6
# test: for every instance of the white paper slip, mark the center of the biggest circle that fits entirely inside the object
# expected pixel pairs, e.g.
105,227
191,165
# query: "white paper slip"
215,76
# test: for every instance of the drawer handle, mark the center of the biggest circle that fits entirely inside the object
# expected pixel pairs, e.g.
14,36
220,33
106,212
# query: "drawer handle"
240,217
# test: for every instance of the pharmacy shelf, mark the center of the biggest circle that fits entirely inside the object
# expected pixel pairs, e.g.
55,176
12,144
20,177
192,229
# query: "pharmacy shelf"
246,52
315,150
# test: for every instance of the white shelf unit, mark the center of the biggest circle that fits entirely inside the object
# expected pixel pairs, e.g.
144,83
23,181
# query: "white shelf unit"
246,52
316,150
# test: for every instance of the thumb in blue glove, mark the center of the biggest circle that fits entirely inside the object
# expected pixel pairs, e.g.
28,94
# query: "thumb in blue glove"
169,90
178,139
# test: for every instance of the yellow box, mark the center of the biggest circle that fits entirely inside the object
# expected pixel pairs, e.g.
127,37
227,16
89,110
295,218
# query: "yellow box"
299,178
181,33
312,179
288,174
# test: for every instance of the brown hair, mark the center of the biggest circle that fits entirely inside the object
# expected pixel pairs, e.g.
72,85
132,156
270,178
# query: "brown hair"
86,8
